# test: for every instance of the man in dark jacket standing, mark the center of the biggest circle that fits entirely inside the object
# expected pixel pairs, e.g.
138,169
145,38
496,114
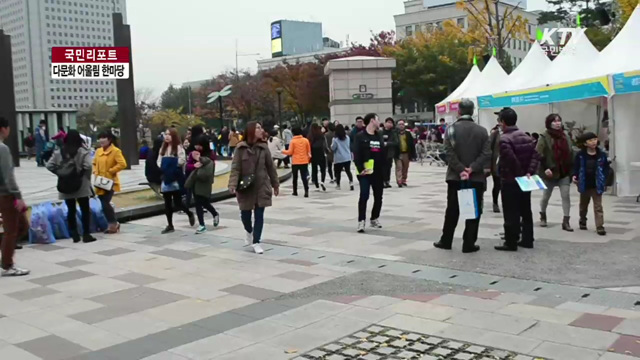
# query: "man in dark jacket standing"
390,148
518,157
406,150
467,146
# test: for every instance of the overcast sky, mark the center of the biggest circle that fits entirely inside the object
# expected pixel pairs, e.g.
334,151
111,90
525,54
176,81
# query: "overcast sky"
188,40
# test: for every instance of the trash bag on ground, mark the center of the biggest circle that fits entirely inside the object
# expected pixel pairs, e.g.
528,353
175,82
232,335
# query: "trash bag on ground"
58,221
40,230
97,215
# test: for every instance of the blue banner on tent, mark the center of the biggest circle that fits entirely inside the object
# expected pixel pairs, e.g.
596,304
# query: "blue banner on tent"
556,93
625,83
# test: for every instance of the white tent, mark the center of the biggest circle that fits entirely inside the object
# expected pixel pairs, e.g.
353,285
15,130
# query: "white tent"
623,52
573,63
522,76
470,79
491,76
622,59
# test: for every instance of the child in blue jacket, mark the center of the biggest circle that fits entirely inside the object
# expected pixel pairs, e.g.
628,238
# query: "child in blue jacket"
590,173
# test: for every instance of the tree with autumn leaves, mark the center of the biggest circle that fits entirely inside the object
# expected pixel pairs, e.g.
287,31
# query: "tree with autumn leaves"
492,25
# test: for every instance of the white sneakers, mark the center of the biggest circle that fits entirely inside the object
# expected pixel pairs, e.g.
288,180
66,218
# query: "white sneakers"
375,224
248,240
258,249
15,271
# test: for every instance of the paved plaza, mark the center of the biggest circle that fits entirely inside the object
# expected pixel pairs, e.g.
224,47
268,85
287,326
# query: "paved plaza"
322,291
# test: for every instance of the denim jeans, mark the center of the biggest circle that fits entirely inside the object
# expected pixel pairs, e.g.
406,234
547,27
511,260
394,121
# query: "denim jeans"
256,229
109,212
201,204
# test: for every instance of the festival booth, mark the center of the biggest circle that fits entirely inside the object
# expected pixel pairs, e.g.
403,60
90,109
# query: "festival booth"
555,87
529,117
489,79
448,108
621,60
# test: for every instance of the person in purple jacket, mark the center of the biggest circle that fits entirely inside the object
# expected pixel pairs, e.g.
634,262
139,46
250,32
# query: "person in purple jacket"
518,157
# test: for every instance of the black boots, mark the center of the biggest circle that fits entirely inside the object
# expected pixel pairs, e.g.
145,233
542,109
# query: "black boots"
543,219
565,224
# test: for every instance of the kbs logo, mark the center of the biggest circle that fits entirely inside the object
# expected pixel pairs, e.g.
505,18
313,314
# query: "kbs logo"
90,63
546,38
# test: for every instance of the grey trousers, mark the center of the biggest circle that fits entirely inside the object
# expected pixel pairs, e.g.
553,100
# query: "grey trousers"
565,193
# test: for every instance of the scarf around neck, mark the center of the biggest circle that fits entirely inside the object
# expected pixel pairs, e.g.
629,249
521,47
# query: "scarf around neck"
561,153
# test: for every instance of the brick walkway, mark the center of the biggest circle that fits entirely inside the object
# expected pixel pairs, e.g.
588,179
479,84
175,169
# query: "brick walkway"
323,291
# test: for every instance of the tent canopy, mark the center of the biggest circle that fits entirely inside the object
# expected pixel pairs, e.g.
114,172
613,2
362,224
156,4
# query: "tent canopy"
470,79
623,52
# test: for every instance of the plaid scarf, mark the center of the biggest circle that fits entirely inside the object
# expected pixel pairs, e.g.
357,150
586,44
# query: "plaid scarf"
561,151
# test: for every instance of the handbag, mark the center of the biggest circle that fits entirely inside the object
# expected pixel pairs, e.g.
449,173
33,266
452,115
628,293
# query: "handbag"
246,181
103,183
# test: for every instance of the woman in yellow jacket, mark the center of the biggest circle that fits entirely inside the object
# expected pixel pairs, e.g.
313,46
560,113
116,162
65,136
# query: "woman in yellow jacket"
107,163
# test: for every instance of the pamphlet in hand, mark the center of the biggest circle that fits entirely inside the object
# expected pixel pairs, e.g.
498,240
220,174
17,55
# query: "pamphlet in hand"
530,184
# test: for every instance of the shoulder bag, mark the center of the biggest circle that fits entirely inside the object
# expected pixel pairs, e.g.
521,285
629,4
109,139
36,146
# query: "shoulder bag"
246,181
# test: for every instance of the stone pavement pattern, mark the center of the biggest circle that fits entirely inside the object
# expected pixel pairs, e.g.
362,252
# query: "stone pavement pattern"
142,295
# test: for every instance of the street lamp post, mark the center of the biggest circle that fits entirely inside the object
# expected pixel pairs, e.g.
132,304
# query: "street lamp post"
218,95
279,91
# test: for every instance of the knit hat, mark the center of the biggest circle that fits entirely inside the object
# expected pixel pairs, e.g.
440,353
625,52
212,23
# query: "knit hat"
588,136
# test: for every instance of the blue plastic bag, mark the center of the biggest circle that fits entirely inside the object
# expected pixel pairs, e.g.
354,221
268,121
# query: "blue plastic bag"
65,212
56,218
40,231
97,215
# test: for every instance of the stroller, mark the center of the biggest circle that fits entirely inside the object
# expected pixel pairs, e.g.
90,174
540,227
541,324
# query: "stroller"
436,154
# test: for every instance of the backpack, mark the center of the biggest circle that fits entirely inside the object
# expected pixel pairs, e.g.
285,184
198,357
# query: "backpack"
69,178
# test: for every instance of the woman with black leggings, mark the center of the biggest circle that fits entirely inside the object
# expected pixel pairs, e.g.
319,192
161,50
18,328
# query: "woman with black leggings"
171,160
74,152
319,149
341,147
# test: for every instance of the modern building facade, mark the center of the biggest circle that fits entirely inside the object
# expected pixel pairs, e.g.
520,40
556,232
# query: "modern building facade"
267,64
420,15
295,42
295,37
35,27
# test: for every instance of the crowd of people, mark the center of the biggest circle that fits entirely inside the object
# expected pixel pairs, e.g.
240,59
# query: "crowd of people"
74,167
183,173
510,153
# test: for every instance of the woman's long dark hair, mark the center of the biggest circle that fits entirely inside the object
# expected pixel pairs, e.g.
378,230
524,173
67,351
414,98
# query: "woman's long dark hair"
314,133
196,132
175,142
72,142
249,135
341,133
203,140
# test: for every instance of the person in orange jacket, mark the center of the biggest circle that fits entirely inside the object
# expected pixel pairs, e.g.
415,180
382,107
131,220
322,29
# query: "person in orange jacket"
300,152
